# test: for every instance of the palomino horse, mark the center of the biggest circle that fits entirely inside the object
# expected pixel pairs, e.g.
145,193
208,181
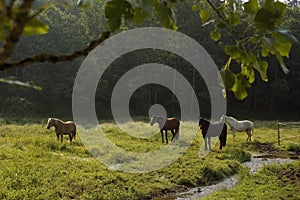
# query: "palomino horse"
240,126
204,124
63,128
166,124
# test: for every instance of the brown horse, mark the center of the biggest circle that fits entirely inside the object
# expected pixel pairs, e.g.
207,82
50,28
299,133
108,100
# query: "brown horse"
166,124
63,128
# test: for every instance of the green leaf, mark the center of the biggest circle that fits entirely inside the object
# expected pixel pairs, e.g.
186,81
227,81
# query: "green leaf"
204,16
215,35
283,48
165,16
262,67
264,52
270,15
239,88
114,10
228,78
283,42
267,45
148,2
288,35
195,7
19,83
234,19
139,16
282,63
248,72
35,27
251,7
233,51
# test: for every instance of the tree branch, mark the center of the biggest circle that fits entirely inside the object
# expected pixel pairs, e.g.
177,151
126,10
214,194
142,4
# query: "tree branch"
216,10
20,21
54,58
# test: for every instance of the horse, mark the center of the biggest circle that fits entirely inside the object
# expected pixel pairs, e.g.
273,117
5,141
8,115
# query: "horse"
204,124
240,126
166,124
63,128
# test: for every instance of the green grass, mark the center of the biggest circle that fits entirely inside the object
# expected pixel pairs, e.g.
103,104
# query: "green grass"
34,165
272,182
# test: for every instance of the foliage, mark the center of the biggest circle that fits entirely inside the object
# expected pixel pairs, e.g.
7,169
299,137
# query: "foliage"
17,105
73,28
23,18
255,29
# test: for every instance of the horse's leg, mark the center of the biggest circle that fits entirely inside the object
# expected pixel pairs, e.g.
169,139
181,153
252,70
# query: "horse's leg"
248,131
252,134
209,147
74,135
205,143
62,137
57,135
233,134
221,142
248,138
173,134
166,136
162,136
70,136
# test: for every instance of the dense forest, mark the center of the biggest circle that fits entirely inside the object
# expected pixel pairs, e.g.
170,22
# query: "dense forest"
72,28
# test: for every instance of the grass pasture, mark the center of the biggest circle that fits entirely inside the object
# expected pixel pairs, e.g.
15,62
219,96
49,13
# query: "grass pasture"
33,165
272,182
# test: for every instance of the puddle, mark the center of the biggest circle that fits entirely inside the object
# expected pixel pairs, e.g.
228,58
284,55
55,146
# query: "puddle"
255,164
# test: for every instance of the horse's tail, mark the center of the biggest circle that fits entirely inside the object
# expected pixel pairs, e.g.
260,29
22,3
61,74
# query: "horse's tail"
225,135
74,134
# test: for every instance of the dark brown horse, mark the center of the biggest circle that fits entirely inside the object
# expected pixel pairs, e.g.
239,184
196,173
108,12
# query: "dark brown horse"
204,124
166,124
63,128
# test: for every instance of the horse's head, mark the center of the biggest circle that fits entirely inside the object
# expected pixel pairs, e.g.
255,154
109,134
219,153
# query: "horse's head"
153,120
222,120
50,123
201,121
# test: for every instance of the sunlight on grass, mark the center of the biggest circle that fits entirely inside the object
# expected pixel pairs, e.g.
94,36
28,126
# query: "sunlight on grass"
55,170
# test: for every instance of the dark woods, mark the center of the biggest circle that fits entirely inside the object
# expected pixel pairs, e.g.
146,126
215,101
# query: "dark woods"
279,97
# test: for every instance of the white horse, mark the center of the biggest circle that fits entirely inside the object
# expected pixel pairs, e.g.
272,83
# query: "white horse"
240,126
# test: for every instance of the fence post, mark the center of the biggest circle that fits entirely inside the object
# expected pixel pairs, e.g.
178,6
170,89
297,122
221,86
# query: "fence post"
278,129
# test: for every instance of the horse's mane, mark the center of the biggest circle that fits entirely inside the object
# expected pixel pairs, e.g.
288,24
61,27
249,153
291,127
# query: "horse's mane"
56,119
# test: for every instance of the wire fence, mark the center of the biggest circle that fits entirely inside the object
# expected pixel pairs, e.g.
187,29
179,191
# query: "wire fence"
287,125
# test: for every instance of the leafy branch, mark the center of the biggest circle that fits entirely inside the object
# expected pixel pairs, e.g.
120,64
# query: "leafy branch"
255,29
54,58
20,21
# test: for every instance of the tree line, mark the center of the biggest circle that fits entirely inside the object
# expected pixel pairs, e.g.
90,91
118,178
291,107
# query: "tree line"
72,28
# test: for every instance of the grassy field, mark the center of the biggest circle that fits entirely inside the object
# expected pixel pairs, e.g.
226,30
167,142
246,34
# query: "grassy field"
272,182
33,165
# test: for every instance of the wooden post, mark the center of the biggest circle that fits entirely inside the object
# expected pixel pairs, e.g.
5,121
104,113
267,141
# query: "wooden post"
278,129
